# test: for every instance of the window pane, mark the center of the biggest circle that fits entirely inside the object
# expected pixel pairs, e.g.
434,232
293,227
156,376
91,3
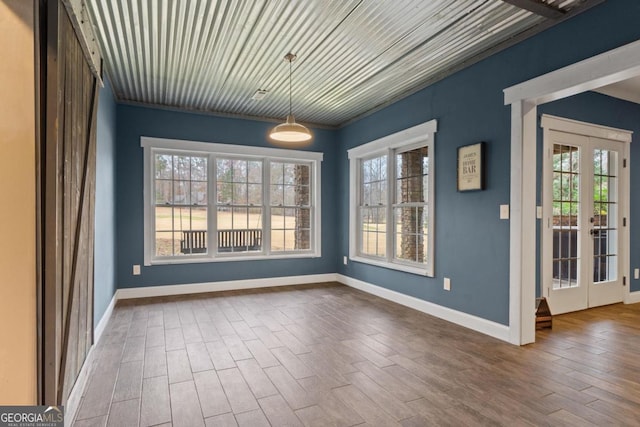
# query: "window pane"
277,240
290,187
181,194
181,231
240,218
277,173
255,194
373,231
164,218
374,198
289,195
277,218
302,195
410,213
289,173
277,195
277,229
199,218
239,229
255,172
199,168
303,239
164,243
239,194
410,228
163,192
224,172
181,180
224,218
199,193
255,218
240,171
411,172
290,219
164,166
225,193
181,167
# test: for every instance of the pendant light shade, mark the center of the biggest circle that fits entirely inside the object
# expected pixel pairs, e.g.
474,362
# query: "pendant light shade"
290,133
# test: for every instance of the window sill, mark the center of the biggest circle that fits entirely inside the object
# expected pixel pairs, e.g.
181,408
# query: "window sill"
228,258
421,271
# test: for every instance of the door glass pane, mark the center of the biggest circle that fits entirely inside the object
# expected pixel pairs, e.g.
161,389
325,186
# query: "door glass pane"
605,213
566,206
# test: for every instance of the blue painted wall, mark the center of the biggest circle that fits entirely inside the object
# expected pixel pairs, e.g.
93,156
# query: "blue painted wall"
105,204
601,109
134,122
472,243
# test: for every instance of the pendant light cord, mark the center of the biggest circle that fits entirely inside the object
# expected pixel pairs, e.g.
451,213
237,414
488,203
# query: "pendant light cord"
290,60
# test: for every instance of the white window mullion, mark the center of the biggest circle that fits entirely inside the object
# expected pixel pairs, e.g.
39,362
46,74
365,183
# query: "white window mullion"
149,204
212,219
266,206
359,204
390,198
431,206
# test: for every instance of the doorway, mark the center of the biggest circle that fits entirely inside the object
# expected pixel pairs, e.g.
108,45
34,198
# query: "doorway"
583,226
598,71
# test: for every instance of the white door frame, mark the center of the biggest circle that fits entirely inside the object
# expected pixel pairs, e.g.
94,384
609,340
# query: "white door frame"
601,70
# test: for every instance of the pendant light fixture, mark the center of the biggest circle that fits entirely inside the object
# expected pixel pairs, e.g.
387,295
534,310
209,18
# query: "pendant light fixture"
290,133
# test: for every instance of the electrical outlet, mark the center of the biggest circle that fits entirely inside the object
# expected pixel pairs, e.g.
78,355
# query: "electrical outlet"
136,269
345,260
447,284
636,273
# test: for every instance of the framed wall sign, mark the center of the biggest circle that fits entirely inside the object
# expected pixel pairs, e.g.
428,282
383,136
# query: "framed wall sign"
471,167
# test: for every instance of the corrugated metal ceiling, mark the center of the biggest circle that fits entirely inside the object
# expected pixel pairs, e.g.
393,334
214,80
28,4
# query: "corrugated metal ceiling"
353,55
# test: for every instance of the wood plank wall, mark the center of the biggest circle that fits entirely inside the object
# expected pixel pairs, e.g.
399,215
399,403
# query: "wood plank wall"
68,236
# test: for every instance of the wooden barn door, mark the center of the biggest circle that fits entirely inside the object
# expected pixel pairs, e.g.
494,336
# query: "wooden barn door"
68,151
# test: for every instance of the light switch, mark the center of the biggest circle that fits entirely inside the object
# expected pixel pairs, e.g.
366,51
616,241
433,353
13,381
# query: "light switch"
504,211
136,270
539,212
447,284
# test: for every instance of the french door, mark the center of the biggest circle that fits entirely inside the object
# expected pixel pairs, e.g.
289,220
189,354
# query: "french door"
582,224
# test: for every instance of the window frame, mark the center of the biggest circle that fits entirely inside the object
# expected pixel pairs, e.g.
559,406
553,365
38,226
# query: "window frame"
422,135
213,151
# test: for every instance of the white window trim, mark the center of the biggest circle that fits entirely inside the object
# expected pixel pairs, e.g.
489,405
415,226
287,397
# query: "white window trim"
149,144
416,136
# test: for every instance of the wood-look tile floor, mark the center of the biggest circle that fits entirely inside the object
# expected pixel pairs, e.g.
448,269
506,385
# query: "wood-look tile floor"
329,355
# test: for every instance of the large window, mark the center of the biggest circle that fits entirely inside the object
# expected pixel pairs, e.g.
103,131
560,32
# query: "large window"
212,202
391,218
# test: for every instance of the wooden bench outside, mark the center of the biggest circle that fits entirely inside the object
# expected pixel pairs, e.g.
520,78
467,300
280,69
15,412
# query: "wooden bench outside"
195,241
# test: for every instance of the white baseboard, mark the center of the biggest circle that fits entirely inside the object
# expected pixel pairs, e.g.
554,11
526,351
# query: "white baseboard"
632,297
73,402
231,285
77,391
102,324
478,324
